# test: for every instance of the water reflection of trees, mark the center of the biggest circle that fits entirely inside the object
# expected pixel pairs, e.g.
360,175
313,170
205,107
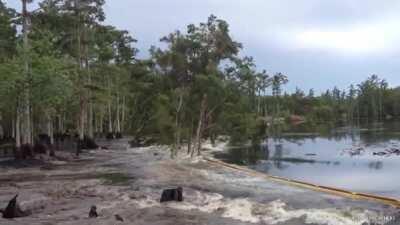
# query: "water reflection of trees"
265,156
278,154
247,155
373,138
365,136
274,152
377,165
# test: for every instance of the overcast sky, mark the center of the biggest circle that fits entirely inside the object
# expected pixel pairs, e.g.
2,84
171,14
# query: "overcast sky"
316,43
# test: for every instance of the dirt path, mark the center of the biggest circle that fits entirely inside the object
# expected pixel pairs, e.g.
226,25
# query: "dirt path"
128,182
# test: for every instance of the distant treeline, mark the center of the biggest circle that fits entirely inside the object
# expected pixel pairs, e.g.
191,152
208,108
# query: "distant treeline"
370,101
66,71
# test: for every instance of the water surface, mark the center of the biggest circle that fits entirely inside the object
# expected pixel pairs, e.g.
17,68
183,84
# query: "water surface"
354,159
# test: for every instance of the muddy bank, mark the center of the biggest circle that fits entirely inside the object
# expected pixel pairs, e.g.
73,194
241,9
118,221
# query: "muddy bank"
129,181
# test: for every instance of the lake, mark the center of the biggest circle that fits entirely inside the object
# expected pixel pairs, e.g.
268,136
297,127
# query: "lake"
365,159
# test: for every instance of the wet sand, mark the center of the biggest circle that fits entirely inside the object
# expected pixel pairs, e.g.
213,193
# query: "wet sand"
129,181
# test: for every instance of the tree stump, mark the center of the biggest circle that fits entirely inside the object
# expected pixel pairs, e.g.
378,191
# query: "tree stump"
93,212
172,195
13,210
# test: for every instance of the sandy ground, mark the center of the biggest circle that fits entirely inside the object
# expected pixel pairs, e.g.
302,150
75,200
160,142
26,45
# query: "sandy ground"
129,181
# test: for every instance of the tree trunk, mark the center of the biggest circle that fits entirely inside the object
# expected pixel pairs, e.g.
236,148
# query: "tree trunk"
189,144
118,121
90,121
110,125
123,115
17,134
2,134
101,121
61,123
82,105
96,124
178,126
50,132
190,137
26,121
13,122
200,125
90,102
81,125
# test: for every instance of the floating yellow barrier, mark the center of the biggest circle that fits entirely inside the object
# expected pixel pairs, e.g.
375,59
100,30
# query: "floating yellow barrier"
320,188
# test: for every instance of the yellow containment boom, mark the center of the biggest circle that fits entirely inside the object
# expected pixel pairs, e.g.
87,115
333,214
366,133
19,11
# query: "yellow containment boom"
320,188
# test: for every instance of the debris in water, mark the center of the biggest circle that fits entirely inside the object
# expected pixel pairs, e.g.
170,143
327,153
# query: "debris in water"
354,151
380,153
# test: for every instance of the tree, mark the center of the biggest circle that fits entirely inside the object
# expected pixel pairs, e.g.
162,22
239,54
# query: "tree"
277,81
370,98
191,61
24,106
8,51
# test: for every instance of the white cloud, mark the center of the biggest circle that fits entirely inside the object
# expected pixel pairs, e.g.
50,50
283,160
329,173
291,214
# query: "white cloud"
377,37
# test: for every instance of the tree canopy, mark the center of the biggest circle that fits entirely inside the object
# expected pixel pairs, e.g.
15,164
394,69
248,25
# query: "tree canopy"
68,71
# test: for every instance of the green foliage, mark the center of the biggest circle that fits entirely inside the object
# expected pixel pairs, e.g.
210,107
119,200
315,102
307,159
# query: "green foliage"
8,32
164,120
11,81
197,86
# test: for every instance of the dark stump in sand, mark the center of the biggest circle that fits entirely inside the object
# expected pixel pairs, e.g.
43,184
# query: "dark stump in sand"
26,151
43,145
13,210
90,144
40,148
118,135
110,136
174,194
119,218
86,143
93,212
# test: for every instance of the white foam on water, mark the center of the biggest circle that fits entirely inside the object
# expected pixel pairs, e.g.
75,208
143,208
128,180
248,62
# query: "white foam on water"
330,216
240,209
275,212
146,203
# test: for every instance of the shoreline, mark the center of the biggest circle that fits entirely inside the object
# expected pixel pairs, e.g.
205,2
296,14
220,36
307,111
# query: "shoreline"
129,182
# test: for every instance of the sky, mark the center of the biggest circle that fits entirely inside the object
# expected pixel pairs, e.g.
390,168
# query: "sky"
318,44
